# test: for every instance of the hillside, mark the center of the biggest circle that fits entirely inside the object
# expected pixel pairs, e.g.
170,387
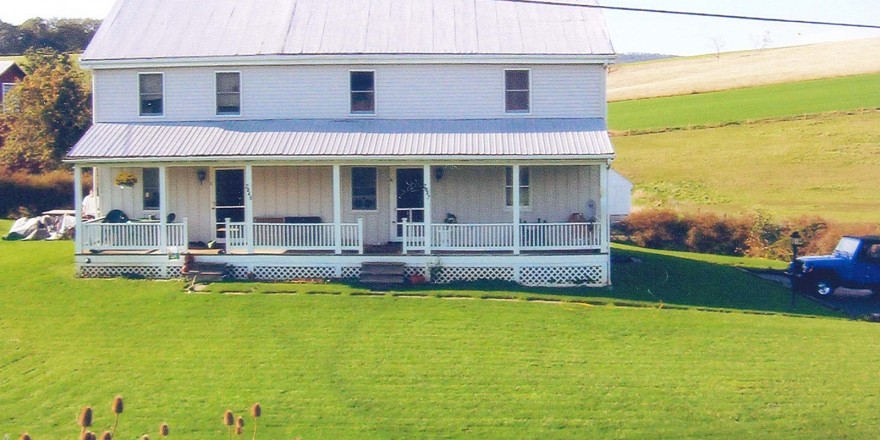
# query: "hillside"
679,76
823,165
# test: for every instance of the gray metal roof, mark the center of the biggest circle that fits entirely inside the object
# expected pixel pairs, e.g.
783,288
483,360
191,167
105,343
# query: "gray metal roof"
155,29
5,65
361,139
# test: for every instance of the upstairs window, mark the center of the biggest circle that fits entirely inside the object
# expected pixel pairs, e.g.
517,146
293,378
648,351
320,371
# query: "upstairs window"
524,192
151,93
516,91
151,188
228,93
363,92
363,189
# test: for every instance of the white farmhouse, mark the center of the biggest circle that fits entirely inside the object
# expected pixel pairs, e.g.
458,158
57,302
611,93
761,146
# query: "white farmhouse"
459,139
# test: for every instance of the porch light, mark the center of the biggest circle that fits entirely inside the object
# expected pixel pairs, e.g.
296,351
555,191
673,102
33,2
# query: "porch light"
201,174
438,173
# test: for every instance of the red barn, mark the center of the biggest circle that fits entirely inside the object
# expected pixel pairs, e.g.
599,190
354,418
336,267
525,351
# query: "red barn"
10,73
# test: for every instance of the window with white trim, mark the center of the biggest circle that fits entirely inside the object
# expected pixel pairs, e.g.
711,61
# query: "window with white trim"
363,189
228,93
151,188
151,90
524,187
363,92
516,91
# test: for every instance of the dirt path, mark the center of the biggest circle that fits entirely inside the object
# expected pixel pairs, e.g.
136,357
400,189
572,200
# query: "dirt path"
742,69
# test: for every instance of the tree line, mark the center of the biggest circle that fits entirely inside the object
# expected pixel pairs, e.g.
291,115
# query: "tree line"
59,34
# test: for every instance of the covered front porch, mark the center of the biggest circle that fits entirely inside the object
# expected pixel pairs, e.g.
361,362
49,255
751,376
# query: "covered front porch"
293,198
338,209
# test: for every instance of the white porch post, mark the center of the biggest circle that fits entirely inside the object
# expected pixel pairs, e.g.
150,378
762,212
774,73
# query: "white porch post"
249,207
77,206
337,211
516,210
163,210
427,206
604,217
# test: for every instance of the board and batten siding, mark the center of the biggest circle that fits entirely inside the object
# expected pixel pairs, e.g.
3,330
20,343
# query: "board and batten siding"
402,92
476,194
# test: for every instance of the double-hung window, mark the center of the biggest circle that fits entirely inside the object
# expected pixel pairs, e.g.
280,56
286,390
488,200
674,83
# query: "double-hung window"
524,187
363,92
363,189
151,87
228,93
516,91
151,189
7,87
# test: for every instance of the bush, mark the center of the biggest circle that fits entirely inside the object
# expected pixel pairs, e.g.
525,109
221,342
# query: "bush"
30,194
754,235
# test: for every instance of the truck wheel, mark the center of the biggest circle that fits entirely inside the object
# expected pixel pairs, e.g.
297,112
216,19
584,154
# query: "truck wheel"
824,287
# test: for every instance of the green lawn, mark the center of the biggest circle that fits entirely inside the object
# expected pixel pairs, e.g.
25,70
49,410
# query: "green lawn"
822,165
326,361
776,101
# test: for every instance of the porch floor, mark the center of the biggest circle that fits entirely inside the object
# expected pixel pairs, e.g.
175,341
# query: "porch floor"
389,249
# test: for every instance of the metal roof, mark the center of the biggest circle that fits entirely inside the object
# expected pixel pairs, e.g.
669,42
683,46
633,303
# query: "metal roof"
5,65
359,139
158,29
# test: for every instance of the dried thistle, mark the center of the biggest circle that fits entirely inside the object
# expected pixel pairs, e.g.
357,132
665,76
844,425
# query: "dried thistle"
85,417
107,435
145,437
238,430
117,406
88,435
239,423
256,412
164,430
25,436
229,421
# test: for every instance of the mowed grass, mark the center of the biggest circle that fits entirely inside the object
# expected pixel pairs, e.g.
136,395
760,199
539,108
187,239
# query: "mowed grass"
817,166
332,364
775,101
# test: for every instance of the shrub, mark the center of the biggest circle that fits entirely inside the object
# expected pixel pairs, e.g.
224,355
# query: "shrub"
754,235
30,194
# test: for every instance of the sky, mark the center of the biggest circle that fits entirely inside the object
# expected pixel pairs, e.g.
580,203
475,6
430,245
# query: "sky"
632,31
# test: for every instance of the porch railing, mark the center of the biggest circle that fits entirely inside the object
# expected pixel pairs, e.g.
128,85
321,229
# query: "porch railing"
500,237
134,236
302,237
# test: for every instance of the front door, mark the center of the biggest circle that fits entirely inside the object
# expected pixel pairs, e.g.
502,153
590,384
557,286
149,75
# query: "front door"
228,198
409,202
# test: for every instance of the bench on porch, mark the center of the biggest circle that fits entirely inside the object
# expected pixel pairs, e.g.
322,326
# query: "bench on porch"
290,220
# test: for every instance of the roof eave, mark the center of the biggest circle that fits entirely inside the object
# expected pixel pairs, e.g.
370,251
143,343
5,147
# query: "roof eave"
337,59
438,159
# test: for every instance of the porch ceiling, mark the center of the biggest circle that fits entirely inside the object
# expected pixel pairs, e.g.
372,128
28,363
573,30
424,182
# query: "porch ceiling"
345,139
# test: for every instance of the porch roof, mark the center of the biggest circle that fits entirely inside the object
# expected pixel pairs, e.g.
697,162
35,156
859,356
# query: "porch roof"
345,139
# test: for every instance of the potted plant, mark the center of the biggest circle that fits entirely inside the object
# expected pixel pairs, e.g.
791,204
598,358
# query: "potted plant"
125,180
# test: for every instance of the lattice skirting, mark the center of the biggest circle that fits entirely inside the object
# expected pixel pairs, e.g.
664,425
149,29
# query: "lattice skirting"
150,272
450,274
285,273
562,276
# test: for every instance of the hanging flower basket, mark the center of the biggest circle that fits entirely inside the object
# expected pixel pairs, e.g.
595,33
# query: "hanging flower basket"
125,180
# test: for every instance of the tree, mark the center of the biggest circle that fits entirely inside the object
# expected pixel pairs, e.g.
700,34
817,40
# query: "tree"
46,113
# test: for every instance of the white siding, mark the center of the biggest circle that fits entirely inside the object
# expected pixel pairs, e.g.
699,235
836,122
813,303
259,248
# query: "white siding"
187,198
476,194
402,92
294,192
377,224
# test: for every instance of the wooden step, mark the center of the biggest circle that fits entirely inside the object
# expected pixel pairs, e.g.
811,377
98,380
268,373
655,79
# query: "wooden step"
382,273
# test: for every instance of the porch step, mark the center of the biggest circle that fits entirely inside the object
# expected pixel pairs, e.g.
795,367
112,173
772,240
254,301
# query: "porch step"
206,272
383,274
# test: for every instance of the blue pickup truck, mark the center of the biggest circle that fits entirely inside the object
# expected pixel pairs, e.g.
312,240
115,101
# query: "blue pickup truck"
854,264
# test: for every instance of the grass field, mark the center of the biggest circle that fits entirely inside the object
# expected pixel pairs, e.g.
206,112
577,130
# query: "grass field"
823,165
735,70
326,361
775,101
